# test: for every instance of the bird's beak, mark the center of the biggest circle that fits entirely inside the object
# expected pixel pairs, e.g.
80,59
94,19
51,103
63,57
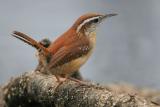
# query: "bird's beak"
108,15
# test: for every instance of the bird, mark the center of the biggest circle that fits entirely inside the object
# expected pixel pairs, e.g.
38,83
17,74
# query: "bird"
46,43
71,50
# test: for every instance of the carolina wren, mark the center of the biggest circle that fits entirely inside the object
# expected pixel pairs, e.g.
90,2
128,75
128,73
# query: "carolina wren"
46,43
71,50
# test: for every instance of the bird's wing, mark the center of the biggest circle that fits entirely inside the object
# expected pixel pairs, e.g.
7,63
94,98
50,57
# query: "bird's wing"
68,53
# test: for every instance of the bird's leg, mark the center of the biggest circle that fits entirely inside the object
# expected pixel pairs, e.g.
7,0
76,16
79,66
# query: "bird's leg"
76,76
76,80
59,80
65,77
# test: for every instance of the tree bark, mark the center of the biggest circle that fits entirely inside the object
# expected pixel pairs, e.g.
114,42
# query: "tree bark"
38,90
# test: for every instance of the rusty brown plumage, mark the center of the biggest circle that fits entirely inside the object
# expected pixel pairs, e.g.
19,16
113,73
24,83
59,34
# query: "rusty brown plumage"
70,50
25,38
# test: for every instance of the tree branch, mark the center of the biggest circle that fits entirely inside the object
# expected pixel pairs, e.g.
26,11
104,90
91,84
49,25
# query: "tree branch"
34,89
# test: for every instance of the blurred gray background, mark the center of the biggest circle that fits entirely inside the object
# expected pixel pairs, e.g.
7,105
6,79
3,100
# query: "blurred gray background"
128,45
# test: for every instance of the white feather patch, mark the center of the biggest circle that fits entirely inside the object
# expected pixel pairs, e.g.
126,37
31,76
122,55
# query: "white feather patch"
84,22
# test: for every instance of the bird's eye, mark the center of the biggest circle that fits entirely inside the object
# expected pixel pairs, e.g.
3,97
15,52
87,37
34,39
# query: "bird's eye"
95,20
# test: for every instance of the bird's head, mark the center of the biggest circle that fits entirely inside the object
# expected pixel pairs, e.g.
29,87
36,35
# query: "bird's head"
88,22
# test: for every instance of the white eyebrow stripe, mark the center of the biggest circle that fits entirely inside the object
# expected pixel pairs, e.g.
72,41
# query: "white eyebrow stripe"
84,22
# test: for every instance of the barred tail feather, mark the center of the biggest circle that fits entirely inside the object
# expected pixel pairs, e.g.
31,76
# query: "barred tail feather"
25,38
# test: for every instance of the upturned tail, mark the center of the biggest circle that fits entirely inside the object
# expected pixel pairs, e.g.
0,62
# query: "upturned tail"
25,38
